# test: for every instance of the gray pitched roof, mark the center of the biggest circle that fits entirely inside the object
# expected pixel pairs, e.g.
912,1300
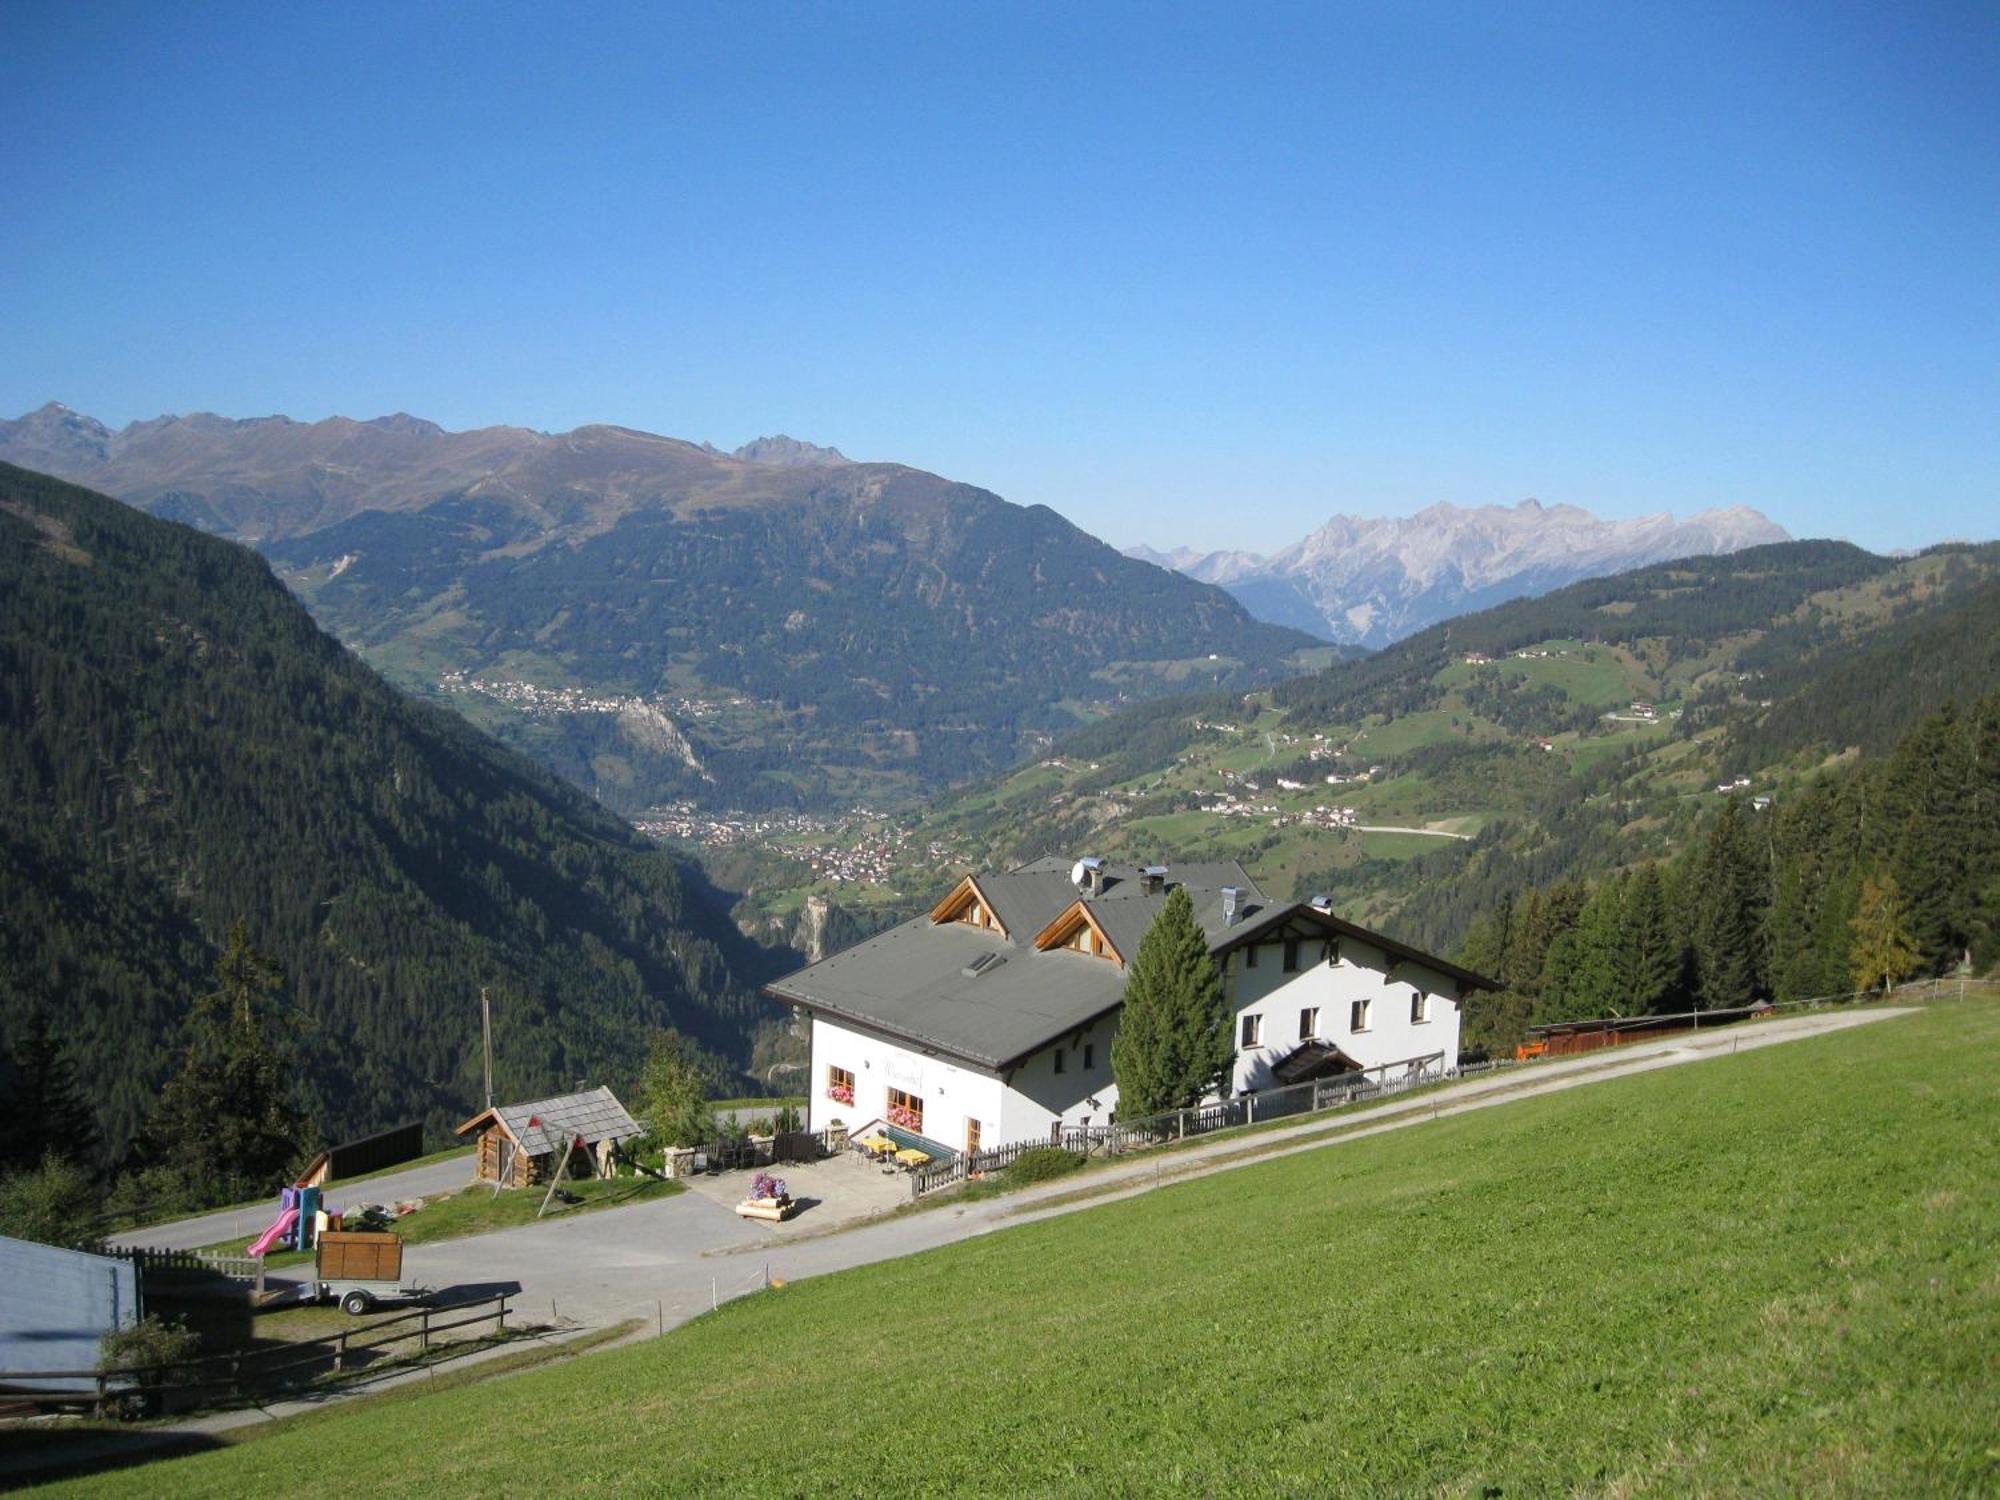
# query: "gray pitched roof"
911,982
544,1124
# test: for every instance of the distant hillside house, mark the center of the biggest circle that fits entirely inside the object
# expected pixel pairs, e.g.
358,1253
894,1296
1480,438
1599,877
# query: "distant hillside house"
990,1019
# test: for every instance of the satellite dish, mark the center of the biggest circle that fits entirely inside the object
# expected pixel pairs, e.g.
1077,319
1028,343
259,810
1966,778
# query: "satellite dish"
1076,874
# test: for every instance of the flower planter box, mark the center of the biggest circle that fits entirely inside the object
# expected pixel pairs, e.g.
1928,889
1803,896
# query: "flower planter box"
776,1210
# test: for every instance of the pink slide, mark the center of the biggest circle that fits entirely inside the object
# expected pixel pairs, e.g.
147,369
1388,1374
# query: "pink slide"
276,1232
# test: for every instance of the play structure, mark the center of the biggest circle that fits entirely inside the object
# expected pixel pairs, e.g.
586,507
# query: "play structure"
302,1218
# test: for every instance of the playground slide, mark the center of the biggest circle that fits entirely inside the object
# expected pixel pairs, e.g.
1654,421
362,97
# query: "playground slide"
276,1232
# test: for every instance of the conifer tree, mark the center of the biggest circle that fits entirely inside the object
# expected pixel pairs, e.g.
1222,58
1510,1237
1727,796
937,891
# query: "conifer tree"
1173,1041
44,1111
1586,964
1884,951
1732,901
1926,793
1653,950
226,1126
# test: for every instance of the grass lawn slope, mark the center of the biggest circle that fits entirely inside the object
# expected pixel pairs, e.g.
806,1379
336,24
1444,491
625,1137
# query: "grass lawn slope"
1772,1273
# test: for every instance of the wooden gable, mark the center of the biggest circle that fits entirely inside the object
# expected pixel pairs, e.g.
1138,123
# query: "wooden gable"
1076,927
967,903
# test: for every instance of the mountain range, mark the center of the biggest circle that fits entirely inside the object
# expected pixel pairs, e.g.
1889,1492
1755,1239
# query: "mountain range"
1372,581
655,619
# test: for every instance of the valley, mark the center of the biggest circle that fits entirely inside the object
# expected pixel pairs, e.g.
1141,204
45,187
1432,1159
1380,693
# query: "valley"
1416,785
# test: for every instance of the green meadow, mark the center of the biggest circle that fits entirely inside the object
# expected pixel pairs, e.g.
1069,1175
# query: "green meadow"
1767,1273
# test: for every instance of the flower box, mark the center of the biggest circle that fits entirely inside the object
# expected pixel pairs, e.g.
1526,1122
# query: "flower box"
840,1093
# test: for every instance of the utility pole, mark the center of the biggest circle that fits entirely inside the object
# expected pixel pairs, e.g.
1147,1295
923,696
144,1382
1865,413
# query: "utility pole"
486,1036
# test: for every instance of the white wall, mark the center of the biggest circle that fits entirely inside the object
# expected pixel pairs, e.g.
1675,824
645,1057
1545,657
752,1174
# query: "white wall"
1267,991
1039,1096
1024,1105
952,1092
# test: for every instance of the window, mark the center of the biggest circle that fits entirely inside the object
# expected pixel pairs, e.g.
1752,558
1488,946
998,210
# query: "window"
1291,955
906,1110
1059,1060
1309,1023
1089,1056
1357,1015
839,1085
1253,1030
1420,1008
1250,957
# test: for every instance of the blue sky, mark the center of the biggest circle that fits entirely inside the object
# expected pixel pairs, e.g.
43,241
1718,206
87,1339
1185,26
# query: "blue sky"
1186,273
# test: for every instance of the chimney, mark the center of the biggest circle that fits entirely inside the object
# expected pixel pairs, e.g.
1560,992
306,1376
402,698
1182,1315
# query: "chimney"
1153,879
1088,875
1232,897
1322,903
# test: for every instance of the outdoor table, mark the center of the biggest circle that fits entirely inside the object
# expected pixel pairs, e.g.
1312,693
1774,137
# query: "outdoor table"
910,1156
880,1145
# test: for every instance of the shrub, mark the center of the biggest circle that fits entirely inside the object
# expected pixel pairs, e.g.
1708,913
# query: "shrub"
151,1343
790,1120
1043,1164
54,1204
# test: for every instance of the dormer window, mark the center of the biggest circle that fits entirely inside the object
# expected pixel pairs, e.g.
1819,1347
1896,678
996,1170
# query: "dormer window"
1074,929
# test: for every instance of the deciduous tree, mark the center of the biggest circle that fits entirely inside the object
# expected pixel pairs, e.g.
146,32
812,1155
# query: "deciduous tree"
1883,951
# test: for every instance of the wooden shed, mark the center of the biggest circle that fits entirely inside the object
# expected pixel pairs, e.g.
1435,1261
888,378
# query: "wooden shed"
519,1144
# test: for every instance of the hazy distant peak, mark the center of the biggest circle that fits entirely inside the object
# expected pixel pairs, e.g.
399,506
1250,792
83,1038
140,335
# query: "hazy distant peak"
1373,580
783,452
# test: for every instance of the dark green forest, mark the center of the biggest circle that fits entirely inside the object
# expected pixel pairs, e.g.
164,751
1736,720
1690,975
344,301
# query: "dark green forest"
182,748
1876,872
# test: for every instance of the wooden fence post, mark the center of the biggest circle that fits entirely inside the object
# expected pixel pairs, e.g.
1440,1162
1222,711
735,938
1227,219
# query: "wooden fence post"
424,1330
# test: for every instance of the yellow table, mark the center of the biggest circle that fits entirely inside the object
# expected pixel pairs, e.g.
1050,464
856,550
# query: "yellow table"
910,1156
880,1145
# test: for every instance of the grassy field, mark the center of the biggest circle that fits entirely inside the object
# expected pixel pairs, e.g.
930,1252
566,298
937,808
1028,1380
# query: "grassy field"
1771,1274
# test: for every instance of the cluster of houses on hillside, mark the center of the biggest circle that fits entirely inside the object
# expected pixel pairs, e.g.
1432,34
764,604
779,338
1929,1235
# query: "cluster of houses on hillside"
871,857
548,703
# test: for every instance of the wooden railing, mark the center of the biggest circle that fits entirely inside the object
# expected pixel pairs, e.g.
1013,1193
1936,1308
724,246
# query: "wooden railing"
240,1371
1202,1119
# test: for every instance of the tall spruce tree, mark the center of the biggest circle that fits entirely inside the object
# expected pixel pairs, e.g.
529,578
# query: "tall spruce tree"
226,1126
1927,790
1733,895
44,1110
1173,1041
1654,955
1586,965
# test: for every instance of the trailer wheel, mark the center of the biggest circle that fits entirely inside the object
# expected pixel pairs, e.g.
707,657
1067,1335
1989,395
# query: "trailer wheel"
355,1303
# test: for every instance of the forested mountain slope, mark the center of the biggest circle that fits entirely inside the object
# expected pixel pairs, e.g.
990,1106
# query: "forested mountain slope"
654,619
181,746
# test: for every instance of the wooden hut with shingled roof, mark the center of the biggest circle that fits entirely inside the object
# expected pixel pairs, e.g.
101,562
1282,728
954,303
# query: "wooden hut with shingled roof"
521,1145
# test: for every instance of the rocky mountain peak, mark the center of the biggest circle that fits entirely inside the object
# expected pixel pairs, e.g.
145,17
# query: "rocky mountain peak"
1373,580
784,452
